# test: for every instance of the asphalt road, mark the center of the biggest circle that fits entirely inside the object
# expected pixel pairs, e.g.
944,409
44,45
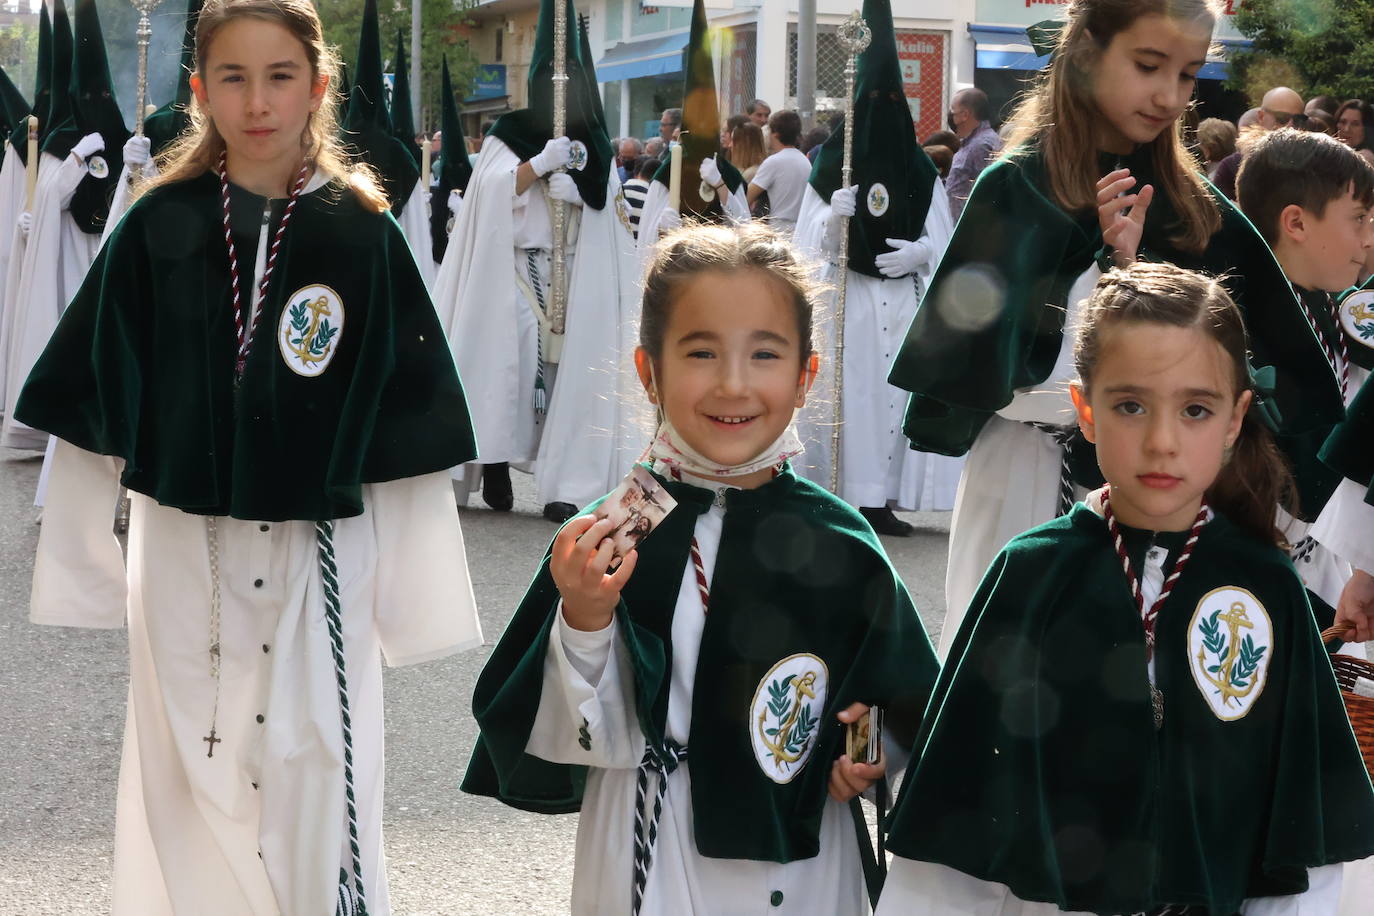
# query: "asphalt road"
62,701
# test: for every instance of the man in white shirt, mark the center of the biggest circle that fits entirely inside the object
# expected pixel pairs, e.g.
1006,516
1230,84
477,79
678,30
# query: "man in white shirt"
784,173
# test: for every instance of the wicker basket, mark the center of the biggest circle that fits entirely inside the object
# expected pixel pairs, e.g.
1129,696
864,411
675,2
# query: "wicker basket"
1359,709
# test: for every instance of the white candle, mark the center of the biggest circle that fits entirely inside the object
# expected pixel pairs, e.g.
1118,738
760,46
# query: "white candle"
674,177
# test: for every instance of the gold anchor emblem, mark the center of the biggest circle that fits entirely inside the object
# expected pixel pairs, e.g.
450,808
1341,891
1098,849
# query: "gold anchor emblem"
1359,311
1237,659
315,336
788,741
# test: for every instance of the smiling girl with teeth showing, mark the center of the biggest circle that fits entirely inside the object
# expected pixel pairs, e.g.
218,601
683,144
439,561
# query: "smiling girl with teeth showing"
758,618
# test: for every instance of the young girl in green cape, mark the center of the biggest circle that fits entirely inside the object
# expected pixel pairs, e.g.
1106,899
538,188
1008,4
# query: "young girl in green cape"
1138,714
692,704
254,356
1096,151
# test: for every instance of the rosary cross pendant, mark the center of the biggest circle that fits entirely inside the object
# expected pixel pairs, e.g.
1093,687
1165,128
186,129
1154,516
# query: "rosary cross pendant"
212,740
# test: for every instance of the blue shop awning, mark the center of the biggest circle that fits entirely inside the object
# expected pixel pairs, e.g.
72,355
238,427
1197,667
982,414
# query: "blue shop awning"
1006,47
649,57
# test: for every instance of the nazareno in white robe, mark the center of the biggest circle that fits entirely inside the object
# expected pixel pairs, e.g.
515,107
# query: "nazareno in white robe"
259,828
587,677
55,260
577,448
13,183
878,466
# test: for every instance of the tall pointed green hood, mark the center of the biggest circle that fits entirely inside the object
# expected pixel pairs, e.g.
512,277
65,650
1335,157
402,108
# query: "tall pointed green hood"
402,118
700,125
895,176
453,168
95,110
57,129
42,89
164,125
584,47
367,124
13,105
527,130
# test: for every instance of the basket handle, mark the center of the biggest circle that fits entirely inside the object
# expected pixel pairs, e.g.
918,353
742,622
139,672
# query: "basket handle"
1340,631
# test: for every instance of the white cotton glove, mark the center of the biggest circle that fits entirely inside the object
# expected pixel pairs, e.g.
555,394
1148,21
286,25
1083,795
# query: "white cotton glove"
906,259
24,223
138,152
710,171
844,201
562,187
669,220
88,146
455,202
557,153
843,204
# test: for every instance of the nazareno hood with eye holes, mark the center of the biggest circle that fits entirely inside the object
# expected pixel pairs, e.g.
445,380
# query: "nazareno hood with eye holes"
895,176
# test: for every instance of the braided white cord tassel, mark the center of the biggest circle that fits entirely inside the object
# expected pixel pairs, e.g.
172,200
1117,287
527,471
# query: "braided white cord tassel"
351,902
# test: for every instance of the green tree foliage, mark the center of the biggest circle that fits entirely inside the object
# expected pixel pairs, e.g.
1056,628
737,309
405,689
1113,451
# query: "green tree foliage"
19,54
1314,46
440,35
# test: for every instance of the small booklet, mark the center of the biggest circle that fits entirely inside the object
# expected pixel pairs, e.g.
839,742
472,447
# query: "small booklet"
636,507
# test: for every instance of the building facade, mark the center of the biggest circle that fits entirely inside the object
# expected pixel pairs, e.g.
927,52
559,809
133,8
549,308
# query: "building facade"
944,45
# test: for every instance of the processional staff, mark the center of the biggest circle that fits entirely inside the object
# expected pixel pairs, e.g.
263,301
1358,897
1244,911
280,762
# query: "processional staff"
558,209
145,33
854,36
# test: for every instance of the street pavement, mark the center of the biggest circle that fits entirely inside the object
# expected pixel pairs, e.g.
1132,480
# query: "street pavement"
62,702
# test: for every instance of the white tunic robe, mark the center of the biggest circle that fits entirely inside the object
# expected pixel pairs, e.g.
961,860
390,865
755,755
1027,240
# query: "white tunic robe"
55,261
1011,474
483,296
258,828
13,180
414,222
878,466
588,676
656,201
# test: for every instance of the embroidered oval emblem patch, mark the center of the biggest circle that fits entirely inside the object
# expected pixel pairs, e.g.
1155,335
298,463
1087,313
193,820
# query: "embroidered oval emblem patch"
1357,317
785,717
97,167
878,199
310,328
577,155
1230,644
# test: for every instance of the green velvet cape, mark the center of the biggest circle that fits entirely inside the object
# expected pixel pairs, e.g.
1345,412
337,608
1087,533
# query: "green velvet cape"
141,365
1349,450
797,571
1040,767
993,318
453,169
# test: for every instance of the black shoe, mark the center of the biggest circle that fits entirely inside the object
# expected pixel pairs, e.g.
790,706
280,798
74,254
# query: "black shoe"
558,513
885,522
496,491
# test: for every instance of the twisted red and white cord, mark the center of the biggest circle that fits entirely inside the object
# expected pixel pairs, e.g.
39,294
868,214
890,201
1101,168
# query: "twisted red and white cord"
1148,617
703,585
1337,354
244,327
1344,350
